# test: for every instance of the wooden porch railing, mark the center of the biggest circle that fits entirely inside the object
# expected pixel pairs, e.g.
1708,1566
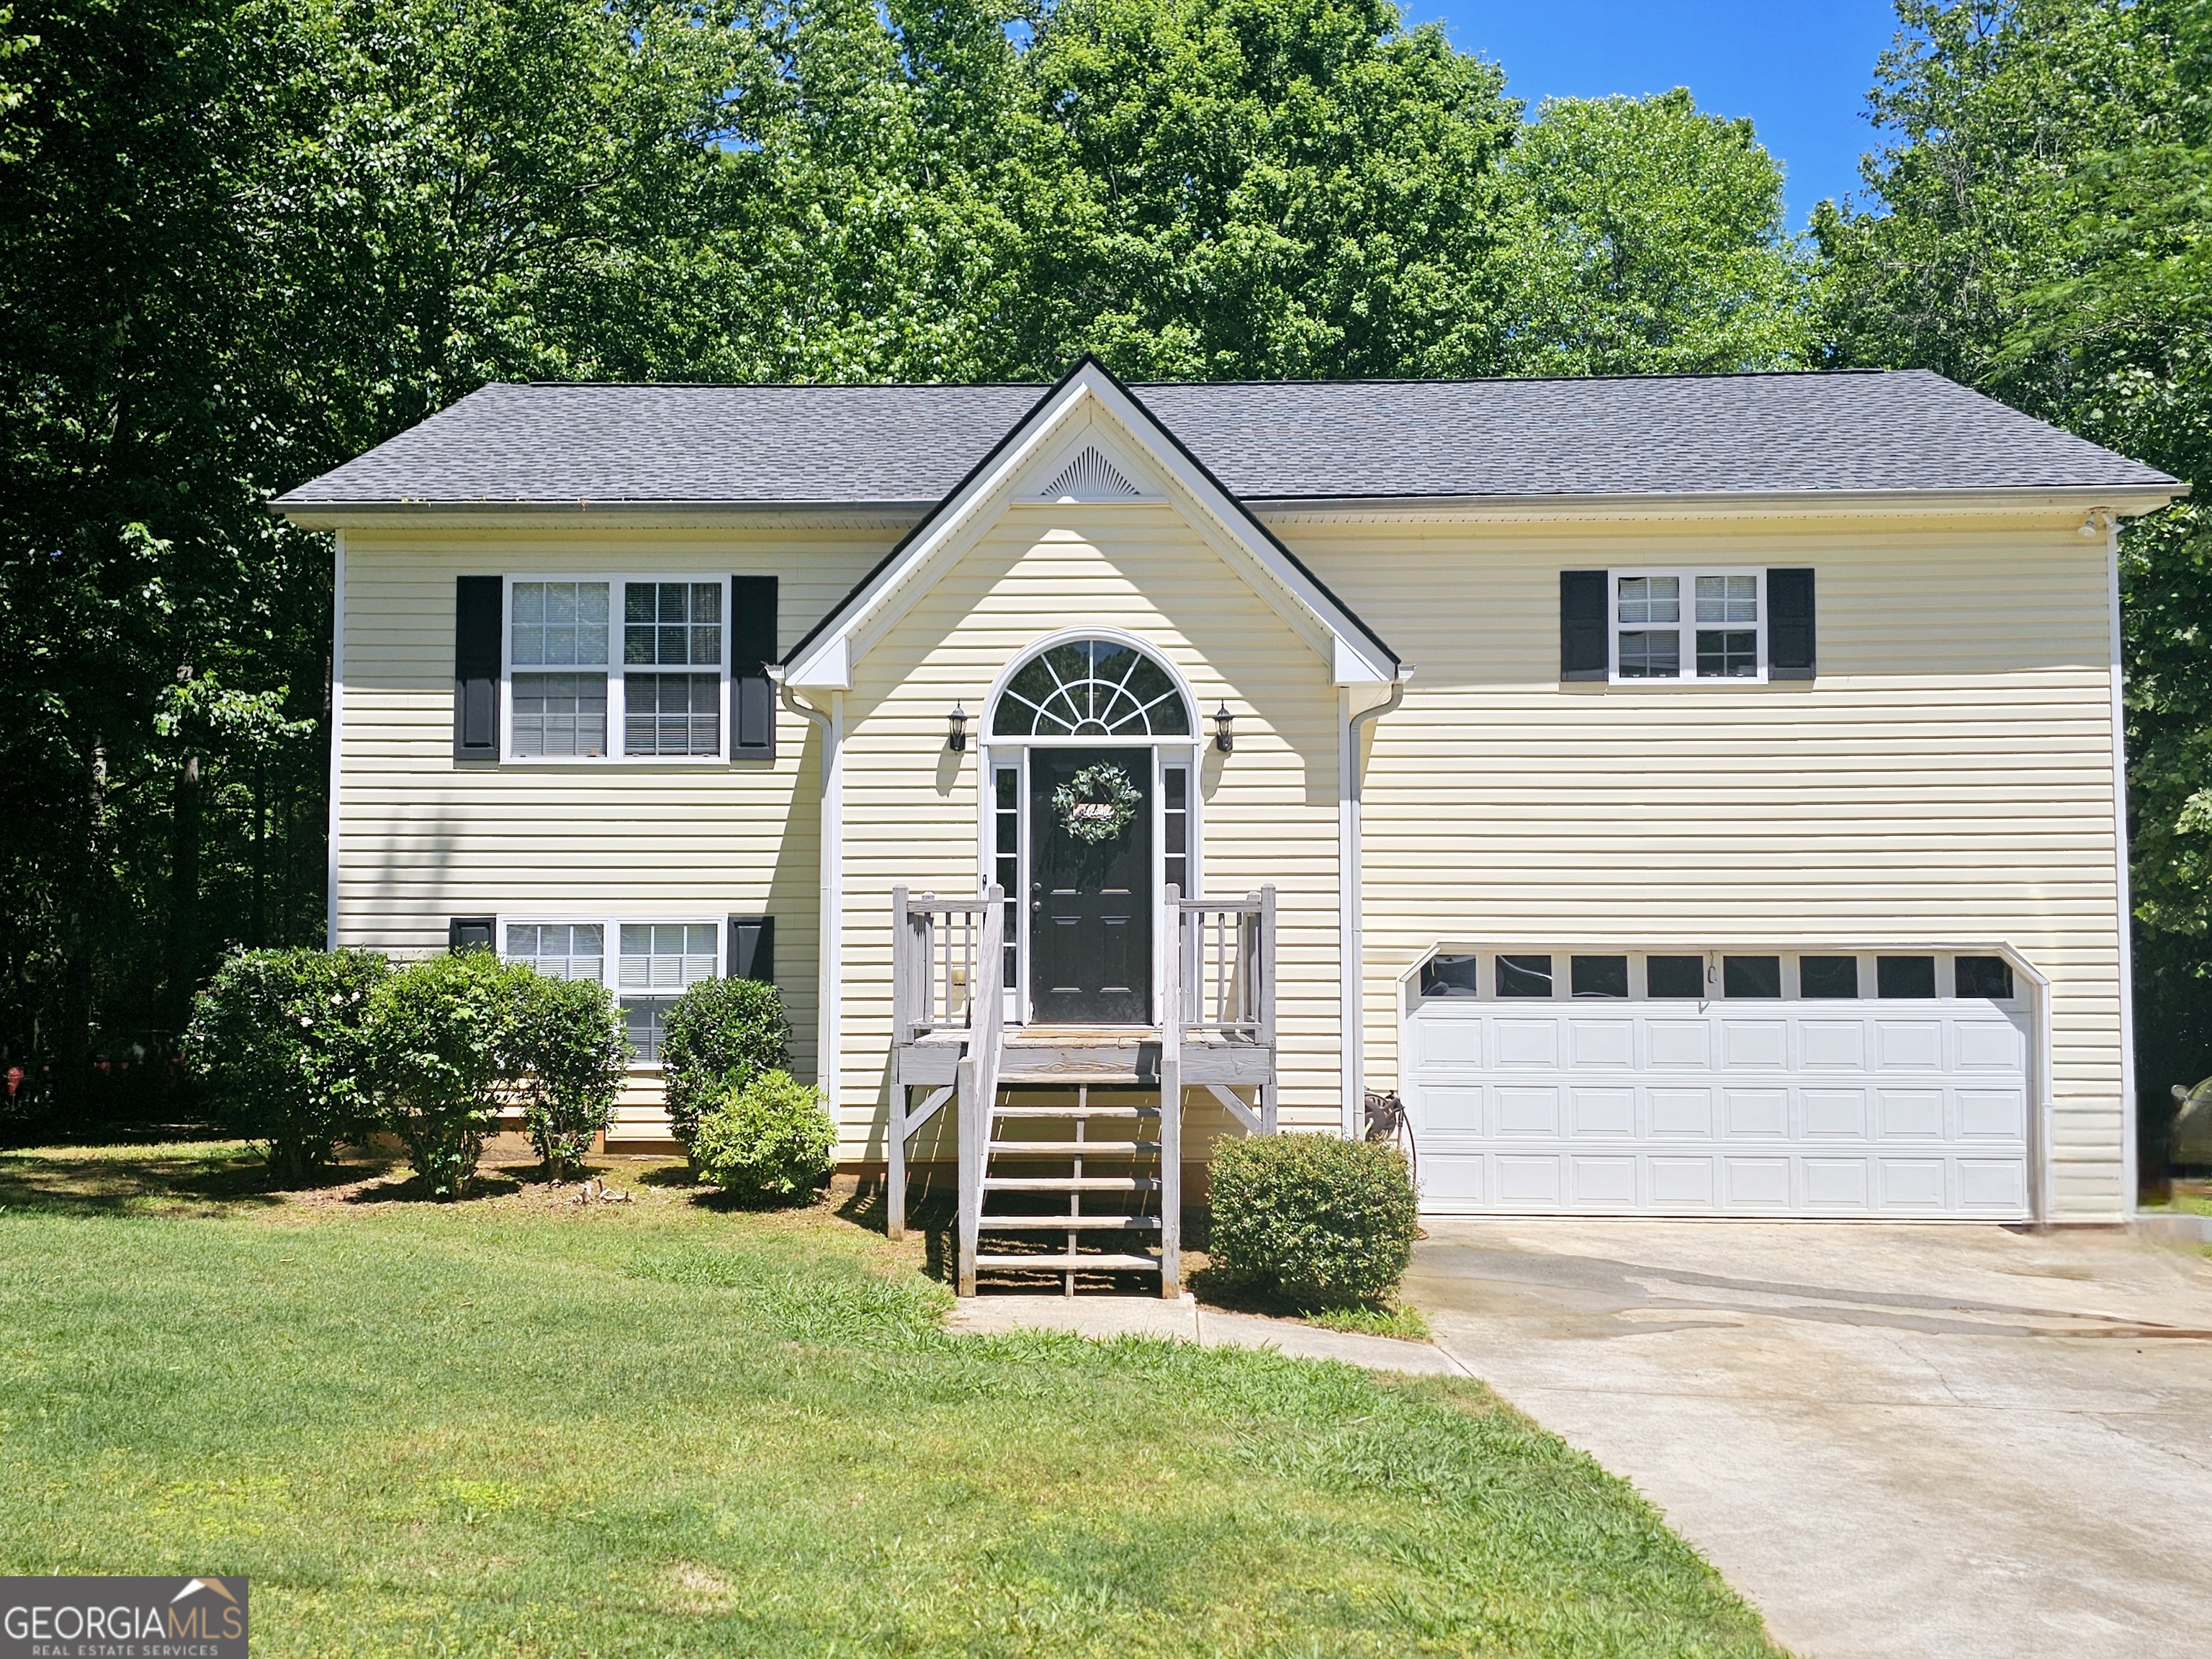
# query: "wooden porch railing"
946,957
1219,986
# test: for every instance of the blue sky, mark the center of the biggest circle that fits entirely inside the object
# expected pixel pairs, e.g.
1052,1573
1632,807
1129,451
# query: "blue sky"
1799,69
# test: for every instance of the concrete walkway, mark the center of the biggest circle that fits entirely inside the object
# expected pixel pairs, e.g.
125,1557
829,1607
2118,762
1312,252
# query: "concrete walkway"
1185,1321
1895,1440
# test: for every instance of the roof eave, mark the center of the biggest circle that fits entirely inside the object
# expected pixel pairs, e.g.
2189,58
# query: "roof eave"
342,515
2127,501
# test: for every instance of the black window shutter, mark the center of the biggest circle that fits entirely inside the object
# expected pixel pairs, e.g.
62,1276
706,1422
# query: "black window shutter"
1582,653
469,934
476,667
752,948
1790,653
752,647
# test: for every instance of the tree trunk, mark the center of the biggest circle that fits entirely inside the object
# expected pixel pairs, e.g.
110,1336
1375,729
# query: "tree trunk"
184,894
73,1044
260,929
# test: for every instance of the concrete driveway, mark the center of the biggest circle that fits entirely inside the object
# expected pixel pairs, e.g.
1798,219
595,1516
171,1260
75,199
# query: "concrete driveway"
1895,1440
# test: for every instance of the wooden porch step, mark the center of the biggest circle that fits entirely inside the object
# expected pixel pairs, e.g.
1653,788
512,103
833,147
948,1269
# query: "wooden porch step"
1100,1263
1066,1224
1071,1184
1131,1109
1075,1148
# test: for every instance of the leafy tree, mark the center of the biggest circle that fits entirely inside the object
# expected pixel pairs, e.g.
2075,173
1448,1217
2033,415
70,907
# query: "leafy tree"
2040,234
1254,188
1643,237
240,242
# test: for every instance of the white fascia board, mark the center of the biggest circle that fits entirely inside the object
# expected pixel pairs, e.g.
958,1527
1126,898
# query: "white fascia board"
827,662
1231,516
1349,667
827,665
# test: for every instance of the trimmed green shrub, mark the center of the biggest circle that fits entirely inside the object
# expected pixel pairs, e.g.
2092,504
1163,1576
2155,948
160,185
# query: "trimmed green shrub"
570,1056
770,1138
1330,1221
279,1040
443,1033
719,1036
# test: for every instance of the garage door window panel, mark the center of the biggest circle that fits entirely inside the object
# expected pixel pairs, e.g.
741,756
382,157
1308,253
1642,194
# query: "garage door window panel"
1600,976
1908,978
1672,977
1524,976
1751,978
1451,976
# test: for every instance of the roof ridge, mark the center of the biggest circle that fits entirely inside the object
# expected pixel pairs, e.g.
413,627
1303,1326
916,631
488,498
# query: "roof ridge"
1318,380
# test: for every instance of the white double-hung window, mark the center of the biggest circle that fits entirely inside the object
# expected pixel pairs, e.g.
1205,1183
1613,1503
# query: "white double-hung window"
594,663
1688,624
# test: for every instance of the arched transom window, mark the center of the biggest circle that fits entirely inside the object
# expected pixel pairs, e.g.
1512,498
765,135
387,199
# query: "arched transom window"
1090,688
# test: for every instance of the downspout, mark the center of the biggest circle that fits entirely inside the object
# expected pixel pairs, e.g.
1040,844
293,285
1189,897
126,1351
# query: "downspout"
337,743
2132,1176
1352,930
828,949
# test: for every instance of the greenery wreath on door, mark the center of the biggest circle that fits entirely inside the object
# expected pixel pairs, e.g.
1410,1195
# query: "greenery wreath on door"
1097,804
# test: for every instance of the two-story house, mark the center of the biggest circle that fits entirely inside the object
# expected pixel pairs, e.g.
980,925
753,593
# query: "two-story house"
1693,796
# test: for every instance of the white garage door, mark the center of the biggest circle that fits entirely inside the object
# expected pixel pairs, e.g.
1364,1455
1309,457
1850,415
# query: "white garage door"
1524,1097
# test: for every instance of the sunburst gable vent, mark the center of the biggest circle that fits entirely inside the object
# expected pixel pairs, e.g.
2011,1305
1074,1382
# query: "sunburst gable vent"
1089,478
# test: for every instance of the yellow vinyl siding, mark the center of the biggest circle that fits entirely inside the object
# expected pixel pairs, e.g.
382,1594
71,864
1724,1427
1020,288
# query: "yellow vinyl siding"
423,839
1268,811
1948,777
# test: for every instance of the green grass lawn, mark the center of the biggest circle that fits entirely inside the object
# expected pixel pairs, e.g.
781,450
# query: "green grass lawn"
520,1426
2190,1198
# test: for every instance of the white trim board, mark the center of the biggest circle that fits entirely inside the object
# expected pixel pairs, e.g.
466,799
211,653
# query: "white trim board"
1089,406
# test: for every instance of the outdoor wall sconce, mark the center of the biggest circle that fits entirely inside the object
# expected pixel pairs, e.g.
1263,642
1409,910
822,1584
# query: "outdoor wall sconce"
956,735
1225,733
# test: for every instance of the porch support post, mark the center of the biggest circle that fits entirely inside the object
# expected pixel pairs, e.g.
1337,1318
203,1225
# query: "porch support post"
1267,1090
894,1173
971,1169
902,1034
1171,1101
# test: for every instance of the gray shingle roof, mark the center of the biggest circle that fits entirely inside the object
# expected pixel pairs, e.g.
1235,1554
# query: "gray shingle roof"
791,445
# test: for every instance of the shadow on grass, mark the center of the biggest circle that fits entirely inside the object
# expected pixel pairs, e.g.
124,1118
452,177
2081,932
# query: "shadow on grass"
932,1214
414,1189
1232,1291
216,1178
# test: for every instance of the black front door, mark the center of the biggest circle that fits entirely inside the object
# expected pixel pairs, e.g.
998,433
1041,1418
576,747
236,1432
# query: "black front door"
1090,887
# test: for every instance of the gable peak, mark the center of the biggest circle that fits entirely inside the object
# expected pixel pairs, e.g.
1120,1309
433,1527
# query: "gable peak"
1089,475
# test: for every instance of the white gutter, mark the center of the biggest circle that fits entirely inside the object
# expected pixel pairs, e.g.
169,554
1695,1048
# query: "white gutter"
829,950
2129,1175
1351,928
